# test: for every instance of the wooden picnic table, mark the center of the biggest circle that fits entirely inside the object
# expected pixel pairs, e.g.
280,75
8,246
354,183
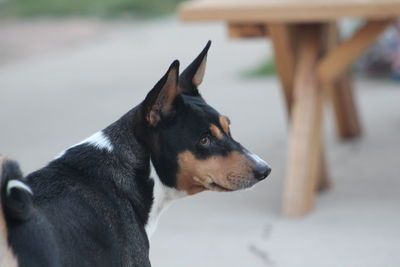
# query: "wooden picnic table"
313,66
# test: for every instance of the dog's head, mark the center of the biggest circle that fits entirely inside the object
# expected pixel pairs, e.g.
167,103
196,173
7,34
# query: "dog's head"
191,145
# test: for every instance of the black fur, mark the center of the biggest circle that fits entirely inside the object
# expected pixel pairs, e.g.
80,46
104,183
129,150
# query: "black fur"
96,202
17,202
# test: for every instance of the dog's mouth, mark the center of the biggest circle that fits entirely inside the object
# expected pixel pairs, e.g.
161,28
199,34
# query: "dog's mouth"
208,183
217,187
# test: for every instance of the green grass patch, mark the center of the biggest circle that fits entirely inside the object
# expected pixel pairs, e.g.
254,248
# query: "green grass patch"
266,68
102,8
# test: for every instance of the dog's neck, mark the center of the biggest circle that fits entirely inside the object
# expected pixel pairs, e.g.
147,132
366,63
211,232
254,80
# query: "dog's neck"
162,197
115,153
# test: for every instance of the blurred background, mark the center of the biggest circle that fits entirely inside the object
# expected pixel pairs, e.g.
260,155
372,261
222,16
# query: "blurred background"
68,68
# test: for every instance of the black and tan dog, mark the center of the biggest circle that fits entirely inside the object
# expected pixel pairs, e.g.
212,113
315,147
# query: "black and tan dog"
96,203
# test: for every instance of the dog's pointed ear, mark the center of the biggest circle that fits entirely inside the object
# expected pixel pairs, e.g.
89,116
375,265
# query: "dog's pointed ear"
159,101
193,75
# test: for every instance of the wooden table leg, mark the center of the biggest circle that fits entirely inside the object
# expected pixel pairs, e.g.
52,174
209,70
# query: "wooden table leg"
285,58
337,61
304,157
344,107
284,38
341,92
324,182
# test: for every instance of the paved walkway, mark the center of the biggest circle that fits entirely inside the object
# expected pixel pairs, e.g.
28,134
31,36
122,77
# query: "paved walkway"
52,98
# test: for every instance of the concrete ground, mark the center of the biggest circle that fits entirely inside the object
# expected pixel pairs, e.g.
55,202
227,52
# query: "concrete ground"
80,78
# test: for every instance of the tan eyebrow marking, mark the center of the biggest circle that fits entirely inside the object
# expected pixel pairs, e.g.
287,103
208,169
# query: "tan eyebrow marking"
224,121
216,131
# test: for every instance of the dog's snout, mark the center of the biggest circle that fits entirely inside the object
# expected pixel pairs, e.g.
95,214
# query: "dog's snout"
261,171
260,168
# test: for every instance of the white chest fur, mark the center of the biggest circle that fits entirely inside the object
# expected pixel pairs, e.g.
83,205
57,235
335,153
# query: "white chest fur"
162,197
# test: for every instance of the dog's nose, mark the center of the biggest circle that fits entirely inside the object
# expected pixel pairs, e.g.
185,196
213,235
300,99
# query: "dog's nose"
261,171
260,168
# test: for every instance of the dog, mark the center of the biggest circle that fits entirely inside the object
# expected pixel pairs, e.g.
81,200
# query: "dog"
97,203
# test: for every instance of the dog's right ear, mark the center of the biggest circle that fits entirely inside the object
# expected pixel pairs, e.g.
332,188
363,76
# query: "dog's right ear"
159,101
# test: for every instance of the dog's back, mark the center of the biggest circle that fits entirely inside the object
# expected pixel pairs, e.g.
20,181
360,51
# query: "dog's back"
43,228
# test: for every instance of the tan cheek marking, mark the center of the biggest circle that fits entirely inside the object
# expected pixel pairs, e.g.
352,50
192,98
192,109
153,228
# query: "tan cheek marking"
196,175
216,131
224,121
186,176
7,258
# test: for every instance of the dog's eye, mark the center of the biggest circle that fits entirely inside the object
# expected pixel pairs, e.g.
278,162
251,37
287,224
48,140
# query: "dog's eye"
205,141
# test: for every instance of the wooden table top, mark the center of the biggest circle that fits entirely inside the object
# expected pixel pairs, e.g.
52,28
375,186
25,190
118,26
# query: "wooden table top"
256,11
